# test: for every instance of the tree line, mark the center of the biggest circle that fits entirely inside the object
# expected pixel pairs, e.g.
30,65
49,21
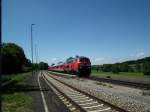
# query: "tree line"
15,61
140,65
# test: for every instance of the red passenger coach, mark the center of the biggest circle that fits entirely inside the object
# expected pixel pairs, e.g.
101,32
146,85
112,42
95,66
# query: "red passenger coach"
80,66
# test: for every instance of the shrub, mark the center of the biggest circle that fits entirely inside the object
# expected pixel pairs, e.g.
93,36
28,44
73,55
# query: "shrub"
146,68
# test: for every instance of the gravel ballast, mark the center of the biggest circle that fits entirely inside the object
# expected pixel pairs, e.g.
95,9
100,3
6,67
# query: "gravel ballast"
126,102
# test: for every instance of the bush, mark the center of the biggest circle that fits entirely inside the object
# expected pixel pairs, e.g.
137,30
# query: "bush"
43,66
124,67
146,68
106,67
115,68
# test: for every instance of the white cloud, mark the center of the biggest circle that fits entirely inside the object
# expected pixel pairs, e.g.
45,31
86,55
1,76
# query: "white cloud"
53,59
56,60
99,60
140,54
108,60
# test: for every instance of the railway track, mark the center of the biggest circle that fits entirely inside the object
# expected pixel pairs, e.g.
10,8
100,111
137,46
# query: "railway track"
77,100
121,82
139,85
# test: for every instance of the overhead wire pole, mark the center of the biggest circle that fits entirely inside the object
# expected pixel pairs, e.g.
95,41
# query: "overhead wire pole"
32,48
36,57
36,53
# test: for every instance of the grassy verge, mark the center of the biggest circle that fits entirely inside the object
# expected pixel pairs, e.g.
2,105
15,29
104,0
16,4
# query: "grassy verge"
129,76
16,102
13,98
16,77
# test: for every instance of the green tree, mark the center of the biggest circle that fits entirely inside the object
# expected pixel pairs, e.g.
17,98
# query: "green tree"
124,67
106,67
27,66
13,58
43,66
146,68
138,68
115,68
28,63
94,67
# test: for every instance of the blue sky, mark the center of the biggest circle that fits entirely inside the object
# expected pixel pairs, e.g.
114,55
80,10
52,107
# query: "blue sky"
106,31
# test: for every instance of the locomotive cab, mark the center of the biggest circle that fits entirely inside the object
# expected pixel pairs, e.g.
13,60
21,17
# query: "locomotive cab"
84,66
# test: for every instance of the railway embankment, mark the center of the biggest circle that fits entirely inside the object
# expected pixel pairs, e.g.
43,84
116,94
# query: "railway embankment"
123,98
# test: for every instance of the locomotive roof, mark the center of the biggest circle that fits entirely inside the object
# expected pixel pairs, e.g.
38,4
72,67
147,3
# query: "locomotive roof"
72,58
82,57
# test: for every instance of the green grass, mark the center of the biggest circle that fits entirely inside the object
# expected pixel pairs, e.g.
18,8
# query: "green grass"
16,77
129,76
104,84
14,100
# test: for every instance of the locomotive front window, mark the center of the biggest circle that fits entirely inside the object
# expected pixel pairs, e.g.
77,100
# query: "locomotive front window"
84,60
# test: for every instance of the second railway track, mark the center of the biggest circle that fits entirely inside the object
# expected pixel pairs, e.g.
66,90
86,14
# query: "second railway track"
78,100
139,85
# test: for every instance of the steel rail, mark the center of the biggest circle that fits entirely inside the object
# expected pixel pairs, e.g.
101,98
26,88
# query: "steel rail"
139,85
93,97
75,104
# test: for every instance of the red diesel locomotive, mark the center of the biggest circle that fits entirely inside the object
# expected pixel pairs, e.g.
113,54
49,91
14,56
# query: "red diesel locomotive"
80,66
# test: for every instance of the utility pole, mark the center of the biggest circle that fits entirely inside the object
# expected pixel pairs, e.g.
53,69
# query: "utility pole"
36,56
36,53
32,47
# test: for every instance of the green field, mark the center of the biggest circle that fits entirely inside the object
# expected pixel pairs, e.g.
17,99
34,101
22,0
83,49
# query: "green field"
129,76
13,97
